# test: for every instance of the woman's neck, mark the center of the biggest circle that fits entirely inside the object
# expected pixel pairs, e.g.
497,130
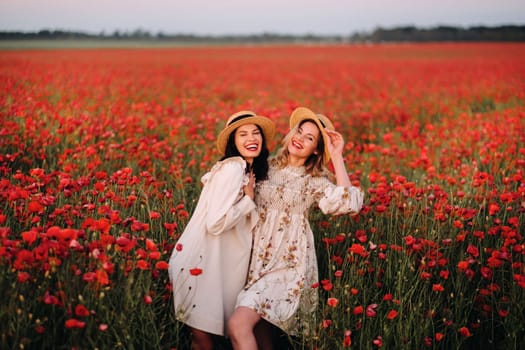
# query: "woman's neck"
295,161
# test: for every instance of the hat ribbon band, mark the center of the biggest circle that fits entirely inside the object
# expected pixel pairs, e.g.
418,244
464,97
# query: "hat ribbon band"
320,121
236,119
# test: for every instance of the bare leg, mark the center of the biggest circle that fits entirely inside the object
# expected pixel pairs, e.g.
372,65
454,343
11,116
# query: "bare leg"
241,328
201,340
264,335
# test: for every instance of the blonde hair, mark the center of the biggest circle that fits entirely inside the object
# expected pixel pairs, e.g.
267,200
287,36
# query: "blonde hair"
314,165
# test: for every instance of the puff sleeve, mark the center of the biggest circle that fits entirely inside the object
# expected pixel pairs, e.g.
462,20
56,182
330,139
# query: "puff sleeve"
337,200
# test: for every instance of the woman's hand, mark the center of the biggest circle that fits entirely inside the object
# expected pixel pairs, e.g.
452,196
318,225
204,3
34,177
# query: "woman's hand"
249,188
336,143
335,148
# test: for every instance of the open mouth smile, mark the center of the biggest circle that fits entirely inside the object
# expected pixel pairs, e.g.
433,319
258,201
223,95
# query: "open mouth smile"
252,147
297,144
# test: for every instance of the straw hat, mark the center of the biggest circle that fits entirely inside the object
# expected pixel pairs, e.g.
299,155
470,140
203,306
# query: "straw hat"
243,118
303,113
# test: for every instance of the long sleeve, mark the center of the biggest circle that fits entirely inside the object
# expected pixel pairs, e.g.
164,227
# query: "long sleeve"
336,200
224,208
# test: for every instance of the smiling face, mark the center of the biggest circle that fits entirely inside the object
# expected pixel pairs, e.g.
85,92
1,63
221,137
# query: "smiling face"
304,142
248,140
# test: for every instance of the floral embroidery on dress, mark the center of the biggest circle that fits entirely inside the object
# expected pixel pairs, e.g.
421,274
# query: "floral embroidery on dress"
283,264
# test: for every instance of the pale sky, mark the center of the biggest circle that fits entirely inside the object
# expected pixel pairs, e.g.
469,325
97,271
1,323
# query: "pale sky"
218,17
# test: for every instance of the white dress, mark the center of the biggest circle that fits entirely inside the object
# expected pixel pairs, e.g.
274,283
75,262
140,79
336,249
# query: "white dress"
283,264
217,240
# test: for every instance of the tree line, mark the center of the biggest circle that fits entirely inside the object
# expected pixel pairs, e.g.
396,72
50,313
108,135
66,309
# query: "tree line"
398,34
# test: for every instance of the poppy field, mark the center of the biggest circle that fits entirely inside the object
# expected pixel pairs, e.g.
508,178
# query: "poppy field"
102,150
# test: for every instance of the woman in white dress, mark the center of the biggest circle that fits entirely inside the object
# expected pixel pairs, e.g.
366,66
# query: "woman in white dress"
283,265
209,263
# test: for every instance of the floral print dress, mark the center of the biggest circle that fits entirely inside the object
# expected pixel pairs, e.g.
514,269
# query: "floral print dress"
283,264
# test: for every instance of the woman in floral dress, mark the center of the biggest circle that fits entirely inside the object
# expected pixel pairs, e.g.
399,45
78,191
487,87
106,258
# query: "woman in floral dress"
209,264
283,265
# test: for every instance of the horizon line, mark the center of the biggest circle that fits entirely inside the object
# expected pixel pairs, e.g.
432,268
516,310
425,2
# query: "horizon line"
263,32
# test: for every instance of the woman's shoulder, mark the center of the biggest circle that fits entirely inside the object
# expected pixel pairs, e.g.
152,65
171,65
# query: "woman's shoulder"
231,162
323,177
230,165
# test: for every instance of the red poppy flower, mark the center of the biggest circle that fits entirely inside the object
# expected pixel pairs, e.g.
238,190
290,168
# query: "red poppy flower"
494,262
493,209
327,286
457,224
34,207
89,276
378,341
102,225
154,255
358,310
102,277
154,215
151,245
425,275
50,299
464,332
380,208
332,302
143,265
503,313
29,236
371,310
23,276
473,250
162,265
444,274
195,271
74,323
437,287
463,265
171,227
409,240
392,314
347,340
358,249
81,310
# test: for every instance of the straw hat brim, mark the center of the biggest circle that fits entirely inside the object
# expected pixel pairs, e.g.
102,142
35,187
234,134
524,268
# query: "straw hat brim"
266,124
303,113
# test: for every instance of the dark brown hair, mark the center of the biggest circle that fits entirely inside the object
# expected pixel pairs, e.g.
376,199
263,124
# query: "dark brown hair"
260,163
